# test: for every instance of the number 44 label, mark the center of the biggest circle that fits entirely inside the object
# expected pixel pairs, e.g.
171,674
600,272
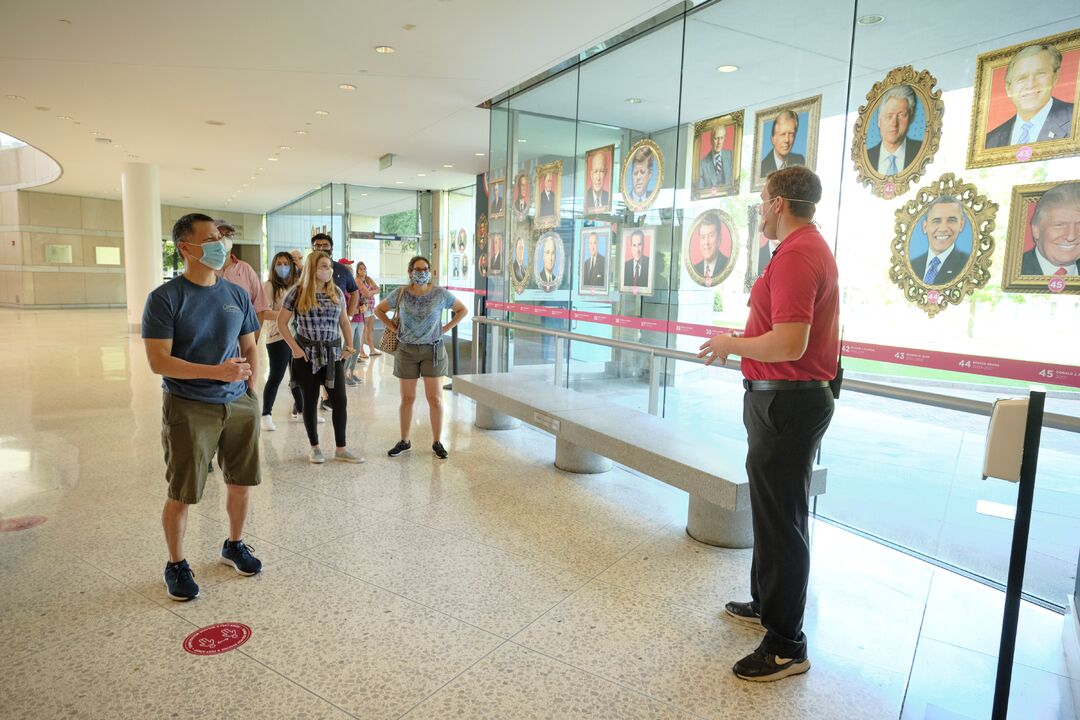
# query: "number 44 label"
965,364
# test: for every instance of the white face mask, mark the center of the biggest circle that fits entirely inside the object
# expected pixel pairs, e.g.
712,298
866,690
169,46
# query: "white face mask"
227,242
324,275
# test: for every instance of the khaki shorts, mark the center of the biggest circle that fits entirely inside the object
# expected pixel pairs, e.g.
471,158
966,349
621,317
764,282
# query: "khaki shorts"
192,431
414,361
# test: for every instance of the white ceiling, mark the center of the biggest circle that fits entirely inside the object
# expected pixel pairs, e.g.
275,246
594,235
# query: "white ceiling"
148,75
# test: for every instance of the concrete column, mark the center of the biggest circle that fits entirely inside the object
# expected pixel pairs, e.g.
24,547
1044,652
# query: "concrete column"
576,459
713,525
141,193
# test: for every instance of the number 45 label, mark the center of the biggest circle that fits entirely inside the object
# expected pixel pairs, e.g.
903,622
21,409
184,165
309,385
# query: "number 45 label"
1046,373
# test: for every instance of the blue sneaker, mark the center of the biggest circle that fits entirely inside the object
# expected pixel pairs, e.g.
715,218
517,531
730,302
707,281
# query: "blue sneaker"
239,556
180,581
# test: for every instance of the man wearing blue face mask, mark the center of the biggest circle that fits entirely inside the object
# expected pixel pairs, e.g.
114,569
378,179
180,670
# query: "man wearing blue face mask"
199,333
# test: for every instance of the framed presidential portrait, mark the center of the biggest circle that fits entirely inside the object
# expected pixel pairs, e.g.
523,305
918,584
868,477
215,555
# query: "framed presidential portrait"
1026,102
717,149
897,132
520,262
521,195
594,278
635,267
599,166
642,175
710,248
785,135
943,244
497,199
495,259
1042,248
758,248
548,194
482,267
549,261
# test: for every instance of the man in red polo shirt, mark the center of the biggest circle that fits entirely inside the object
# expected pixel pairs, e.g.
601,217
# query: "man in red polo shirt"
789,354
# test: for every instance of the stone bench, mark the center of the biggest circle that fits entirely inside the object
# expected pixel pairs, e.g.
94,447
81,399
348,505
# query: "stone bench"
589,430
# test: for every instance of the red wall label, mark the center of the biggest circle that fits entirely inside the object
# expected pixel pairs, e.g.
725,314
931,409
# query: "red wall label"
216,639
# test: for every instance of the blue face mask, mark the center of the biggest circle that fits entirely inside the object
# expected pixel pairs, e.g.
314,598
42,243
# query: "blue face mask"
213,255
420,277
283,271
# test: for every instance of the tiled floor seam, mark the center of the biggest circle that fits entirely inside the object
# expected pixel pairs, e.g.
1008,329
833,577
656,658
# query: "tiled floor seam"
915,652
451,680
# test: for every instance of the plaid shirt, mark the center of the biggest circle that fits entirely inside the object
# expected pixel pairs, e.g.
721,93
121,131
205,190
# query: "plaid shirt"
318,331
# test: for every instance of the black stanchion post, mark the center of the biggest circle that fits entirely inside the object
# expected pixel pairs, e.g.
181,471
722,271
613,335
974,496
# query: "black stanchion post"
1021,527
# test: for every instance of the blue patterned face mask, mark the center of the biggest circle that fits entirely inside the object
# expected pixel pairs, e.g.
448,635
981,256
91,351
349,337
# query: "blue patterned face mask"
420,277
283,271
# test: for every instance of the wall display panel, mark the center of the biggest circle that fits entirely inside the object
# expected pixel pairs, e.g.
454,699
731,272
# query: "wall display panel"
1042,252
898,131
1027,102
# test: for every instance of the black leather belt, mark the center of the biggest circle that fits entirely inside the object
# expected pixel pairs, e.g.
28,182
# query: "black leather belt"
764,385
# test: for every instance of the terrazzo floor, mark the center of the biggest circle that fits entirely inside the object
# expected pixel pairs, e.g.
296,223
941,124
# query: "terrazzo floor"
490,585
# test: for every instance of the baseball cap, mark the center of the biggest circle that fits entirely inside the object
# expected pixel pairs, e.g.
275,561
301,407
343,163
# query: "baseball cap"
345,261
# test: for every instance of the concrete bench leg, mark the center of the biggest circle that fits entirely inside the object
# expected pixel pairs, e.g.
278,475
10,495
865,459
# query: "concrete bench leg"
714,525
571,458
488,419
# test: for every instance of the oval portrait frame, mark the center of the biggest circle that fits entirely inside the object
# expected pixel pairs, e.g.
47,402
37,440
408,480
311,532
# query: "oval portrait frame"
892,186
979,211
631,205
724,219
560,261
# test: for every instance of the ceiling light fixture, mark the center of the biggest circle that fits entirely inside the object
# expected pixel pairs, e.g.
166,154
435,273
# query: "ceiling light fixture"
727,68
479,154
448,165
301,132
284,147
384,49
399,182
634,101
15,97
346,86
363,194
63,117
272,159
421,174
322,113
871,19
260,169
96,132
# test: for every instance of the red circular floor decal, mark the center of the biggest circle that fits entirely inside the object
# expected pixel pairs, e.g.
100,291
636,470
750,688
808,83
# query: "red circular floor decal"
21,523
215,639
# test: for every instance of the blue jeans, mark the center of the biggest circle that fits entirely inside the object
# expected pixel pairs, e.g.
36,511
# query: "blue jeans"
357,336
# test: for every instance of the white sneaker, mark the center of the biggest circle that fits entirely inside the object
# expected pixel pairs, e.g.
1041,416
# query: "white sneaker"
268,423
346,456
316,455
299,418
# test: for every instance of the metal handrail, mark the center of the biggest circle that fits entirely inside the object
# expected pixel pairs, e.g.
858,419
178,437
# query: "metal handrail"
1057,421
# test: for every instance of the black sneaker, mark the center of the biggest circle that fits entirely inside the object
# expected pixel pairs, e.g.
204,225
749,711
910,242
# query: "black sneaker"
325,405
180,581
744,612
759,666
210,468
440,451
239,556
403,446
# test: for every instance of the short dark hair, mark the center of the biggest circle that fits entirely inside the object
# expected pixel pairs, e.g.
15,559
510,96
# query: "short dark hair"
185,226
944,200
322,236
799,185
416,259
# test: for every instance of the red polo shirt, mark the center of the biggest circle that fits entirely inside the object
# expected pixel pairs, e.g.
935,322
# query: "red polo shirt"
799,286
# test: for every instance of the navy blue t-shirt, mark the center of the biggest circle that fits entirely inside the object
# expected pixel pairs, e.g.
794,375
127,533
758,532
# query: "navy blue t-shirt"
205,325
344,278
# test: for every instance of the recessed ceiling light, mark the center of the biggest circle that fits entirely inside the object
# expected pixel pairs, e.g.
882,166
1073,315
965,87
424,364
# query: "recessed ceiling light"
340,203
43,108
871,19
479,154
321,112
399,182
421,174
727,68
633,101
96,132
63,117
253,177
284,147
198,169
260,169
272,159
363,194
216,123
15,97
346,86
384,49
448,165
301,132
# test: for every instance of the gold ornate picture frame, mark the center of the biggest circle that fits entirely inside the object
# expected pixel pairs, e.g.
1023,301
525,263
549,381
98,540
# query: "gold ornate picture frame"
802,143
951,221
547,208
521,195
649,160
497,199
521,259
549,279
599,203
1042,252
882,122
715,170
995,138
713,231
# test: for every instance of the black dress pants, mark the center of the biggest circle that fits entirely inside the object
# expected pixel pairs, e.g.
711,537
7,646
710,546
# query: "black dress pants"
784,429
